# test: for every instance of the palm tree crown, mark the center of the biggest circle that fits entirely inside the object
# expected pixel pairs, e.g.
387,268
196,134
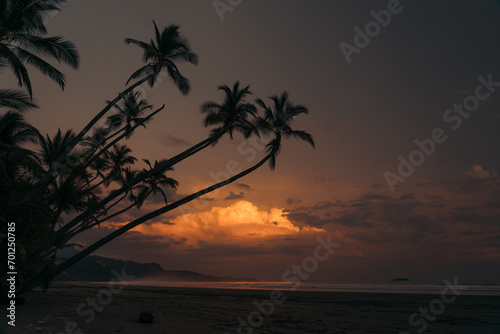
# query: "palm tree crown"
21,24
233,113
276,121
162,52
15,131
154,183
128,114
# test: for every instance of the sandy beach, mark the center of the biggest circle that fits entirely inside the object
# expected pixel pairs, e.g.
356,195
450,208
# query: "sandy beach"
65,309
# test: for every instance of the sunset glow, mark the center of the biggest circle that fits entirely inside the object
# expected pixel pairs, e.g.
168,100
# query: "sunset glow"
241,222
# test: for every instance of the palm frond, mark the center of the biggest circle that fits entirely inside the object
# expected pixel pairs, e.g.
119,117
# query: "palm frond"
56,47
15,99
42,66
17,67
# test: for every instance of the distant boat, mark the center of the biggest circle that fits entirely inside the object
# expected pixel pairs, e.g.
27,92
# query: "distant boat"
401,279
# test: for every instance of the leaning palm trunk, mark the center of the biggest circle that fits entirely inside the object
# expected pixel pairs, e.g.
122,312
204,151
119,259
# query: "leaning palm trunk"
89,126
47,275
123,135
161,167
99,222
65,233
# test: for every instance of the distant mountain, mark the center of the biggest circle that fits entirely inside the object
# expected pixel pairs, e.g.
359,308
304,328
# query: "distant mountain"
100,269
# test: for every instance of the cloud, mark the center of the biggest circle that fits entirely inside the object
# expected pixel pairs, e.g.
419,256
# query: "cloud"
241,222
233,196
478,173
302,219
321,205
291,201
475,180
244,186
170,140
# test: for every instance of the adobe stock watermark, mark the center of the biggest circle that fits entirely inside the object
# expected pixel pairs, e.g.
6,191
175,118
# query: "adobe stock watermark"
363,38
296,274
436,306
223,6
453,117
95,304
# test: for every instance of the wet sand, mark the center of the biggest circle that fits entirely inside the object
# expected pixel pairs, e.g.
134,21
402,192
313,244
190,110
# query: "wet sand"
95,309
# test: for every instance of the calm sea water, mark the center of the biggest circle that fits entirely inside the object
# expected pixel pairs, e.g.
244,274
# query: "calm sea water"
391,287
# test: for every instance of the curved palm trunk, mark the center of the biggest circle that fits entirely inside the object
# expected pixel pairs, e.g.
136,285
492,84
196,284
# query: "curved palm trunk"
90,181
123,210
98,184
161,167
94,157
114,134
45,275
89,126
112,205
108,217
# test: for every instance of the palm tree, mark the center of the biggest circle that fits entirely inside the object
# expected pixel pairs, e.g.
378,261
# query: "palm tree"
19,197
151,185
117,160
129,128
233,113
154,183
276,121
16,161
15,131
119,157
130,113
50,151
162,53
21,25
128,175
234,108
97,139
66,193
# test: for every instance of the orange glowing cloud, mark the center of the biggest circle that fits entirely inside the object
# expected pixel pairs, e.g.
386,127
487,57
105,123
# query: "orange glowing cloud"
242,221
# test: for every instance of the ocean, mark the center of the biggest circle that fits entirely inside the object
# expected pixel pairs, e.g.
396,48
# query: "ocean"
392,287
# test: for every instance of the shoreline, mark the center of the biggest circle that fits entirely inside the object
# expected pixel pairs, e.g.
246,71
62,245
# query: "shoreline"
211,310
418,289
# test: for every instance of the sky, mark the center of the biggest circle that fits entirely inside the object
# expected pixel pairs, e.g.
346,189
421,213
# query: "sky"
402,178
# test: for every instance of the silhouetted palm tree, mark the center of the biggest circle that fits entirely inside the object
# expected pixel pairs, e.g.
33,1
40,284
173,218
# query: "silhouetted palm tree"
161,53
128,114
168,47
97,139
52,148
276,121
117,160
21,25
119,157
154,183
151,185
15,160
15,131
129,128
232,115
66,193
127,176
